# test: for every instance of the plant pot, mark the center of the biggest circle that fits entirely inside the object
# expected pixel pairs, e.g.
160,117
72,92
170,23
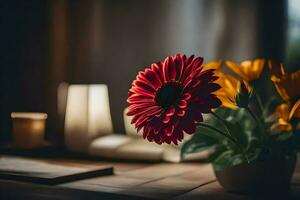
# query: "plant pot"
260,177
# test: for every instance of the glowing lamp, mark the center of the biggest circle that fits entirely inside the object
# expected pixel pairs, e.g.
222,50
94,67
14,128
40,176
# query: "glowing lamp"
87,115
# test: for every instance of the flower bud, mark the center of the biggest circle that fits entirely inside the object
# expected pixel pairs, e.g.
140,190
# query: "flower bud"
243,94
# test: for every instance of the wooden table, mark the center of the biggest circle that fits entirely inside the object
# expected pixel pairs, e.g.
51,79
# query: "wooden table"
134,180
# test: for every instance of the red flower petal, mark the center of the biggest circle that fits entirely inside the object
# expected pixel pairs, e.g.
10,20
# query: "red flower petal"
189,128
211,87
186,96
179,64
170,112
140,99
134,108
140,84
187,82
169,130
213,101
182,104
170,97
166,119
153,79
144,114
157,73
171,69
141,92
181,113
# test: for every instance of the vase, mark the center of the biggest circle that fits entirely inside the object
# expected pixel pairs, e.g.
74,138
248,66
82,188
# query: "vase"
258,177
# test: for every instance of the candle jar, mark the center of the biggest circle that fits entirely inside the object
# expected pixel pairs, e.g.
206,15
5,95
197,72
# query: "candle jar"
28,129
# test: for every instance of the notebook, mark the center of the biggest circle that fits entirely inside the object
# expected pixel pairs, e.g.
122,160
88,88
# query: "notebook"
43,172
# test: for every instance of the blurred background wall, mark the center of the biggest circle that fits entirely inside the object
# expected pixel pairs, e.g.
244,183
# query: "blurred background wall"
44,43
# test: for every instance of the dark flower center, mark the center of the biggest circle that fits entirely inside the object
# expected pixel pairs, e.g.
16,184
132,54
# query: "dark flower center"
169,94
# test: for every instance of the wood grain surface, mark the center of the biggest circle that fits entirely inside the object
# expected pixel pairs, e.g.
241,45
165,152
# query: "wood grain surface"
138,181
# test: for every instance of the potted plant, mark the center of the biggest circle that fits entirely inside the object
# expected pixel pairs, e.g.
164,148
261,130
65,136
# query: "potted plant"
252,141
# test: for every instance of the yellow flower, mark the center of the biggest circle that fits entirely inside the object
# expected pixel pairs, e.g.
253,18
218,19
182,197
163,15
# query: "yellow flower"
285,113
213,65
276,70
295,110
228,85
247,70
282,114
230,88
287,85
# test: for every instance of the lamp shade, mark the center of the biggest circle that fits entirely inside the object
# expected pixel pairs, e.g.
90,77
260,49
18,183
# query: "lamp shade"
87,115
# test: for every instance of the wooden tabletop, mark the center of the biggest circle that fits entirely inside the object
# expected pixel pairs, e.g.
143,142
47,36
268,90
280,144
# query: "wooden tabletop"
132,180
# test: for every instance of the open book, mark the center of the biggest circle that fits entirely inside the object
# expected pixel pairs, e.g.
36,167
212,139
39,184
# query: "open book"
132,146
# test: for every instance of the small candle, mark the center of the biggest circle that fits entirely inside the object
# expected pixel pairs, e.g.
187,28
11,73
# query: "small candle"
28,129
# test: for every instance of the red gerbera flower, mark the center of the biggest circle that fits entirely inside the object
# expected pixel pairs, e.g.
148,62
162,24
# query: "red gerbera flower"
169,98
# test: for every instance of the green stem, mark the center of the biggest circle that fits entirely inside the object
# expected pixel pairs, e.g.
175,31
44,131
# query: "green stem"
235,142
259,101
222,121
255,119
218,131
252,114
227,136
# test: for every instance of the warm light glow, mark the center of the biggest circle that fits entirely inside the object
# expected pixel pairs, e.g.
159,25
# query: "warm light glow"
106,146
28,129
99,110
28,115
129,128
124,147
87,115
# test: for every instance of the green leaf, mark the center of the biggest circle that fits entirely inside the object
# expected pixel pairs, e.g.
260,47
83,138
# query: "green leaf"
222,161
243,118
210,133
283,136
217,152
255,132
223,112
270,105
202,140
227,159
254,154
236,130
210,119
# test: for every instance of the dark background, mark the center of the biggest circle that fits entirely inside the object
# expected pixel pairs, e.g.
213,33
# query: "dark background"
44,43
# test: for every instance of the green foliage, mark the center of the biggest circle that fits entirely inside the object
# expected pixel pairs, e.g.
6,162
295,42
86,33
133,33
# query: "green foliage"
283,136
200,142
235,129
227,159
270,105
237,136
241,145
